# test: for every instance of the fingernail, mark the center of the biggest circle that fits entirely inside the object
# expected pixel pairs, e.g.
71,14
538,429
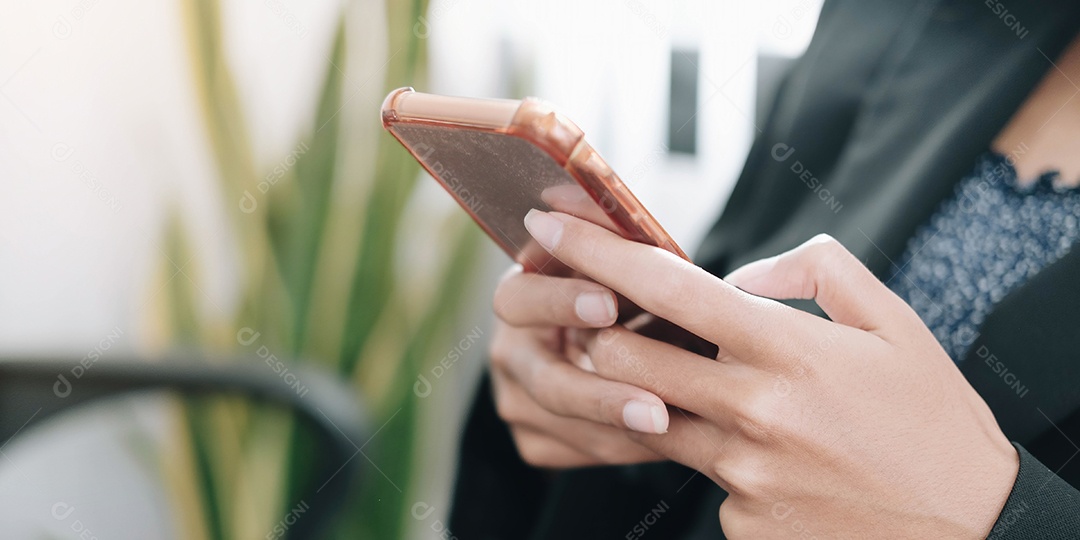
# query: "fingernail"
544,228
645,417
585,363
596,308
751,271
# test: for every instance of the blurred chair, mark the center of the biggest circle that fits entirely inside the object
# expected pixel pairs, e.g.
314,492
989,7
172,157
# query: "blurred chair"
32,390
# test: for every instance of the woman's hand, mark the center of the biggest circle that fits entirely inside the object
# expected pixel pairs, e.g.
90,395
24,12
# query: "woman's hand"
858,427
560,413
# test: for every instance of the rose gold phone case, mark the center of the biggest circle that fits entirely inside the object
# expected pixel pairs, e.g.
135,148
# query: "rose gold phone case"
501,158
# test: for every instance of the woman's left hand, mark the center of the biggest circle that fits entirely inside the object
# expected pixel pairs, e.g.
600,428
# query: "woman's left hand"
858,427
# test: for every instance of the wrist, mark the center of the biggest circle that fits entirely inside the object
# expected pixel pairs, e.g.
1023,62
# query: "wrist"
992,478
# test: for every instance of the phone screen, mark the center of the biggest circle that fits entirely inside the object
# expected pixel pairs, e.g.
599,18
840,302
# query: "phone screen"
498,178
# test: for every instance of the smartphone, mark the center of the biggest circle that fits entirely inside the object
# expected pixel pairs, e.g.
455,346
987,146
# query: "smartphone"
500,158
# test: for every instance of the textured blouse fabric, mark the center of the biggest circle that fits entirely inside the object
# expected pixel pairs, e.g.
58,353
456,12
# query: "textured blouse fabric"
985,241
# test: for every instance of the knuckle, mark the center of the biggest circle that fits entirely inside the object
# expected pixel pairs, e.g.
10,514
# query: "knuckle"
530,452
816,260
499,349
742,519
761,417
825,249
823,239
498,306
540,451
731,520
750,481
506,407
538,378
535,457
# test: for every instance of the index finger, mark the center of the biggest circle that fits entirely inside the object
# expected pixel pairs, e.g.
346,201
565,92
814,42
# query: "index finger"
665,285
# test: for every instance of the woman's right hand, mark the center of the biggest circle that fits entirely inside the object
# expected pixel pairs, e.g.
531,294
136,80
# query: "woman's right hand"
544,384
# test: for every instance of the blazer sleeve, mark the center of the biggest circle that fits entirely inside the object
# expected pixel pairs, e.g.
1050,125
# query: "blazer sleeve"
1041,505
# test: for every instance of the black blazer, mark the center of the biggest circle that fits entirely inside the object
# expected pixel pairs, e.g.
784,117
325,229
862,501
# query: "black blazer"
890,106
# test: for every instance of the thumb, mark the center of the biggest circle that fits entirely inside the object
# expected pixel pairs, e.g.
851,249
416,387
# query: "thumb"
823,270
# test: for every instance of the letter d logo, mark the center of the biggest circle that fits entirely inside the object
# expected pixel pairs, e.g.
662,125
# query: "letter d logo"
62,388
248,204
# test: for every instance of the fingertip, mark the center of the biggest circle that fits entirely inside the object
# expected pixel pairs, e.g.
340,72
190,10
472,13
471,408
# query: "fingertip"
660,418
645,417
545,228
596,308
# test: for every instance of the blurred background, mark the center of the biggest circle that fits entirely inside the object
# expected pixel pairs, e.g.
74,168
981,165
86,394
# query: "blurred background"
191,187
